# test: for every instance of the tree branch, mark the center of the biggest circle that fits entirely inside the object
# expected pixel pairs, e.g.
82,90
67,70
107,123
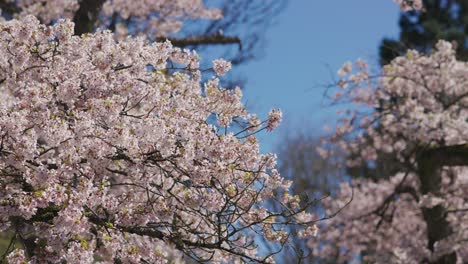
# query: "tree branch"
215,39
448,156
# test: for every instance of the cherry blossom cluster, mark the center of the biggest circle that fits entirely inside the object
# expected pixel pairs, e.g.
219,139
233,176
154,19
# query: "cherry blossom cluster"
407,5
384,220
169,18
116,151
418,104
417,100
221,66
47,11
151,17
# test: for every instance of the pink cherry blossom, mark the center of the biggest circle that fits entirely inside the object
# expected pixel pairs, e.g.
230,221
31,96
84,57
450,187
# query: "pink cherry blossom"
407,5
221,67
274,118
170,17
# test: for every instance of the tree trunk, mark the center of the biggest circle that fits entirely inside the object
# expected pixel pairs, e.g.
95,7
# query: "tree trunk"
87,15
430,164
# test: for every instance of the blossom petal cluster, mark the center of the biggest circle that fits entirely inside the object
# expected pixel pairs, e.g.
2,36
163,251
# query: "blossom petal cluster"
274,119
153,17
418,101
408,5
169,18
108,151
221,66
47,11
392,232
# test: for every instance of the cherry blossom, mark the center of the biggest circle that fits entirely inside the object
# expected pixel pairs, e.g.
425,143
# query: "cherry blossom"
48,10
221,67
152,18
274,118
407,5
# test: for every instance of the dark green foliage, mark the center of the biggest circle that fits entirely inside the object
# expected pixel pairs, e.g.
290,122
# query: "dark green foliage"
440,19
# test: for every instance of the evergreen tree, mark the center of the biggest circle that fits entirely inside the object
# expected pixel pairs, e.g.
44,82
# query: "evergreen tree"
420,30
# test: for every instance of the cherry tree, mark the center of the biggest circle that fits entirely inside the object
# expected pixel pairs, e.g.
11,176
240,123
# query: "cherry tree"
115,149
416,110
108,153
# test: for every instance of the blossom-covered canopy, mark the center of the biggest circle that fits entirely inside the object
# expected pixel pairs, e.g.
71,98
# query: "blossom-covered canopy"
117,151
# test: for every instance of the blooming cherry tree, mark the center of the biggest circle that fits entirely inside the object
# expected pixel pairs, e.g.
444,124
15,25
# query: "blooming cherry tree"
116,152
416,110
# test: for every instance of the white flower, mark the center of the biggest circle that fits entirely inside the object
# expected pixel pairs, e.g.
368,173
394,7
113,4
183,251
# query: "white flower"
221,67
274,118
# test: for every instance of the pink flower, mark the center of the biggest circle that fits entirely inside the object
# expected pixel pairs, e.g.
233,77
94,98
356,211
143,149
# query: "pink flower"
345,69
407,5
274,118
221,67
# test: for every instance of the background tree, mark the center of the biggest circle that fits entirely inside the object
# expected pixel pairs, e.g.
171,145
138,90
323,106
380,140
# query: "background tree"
313,177
415,113
419,30
418,214
312,174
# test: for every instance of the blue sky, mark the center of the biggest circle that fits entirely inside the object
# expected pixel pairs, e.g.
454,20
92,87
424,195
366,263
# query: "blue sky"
311,40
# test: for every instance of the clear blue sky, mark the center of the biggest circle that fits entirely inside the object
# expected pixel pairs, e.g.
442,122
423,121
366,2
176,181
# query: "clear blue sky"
310,38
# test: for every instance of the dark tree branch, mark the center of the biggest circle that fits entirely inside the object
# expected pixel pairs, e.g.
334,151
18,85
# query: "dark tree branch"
447,156
215,39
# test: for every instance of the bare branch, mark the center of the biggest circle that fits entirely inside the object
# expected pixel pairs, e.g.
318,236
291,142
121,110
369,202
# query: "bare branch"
215,39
